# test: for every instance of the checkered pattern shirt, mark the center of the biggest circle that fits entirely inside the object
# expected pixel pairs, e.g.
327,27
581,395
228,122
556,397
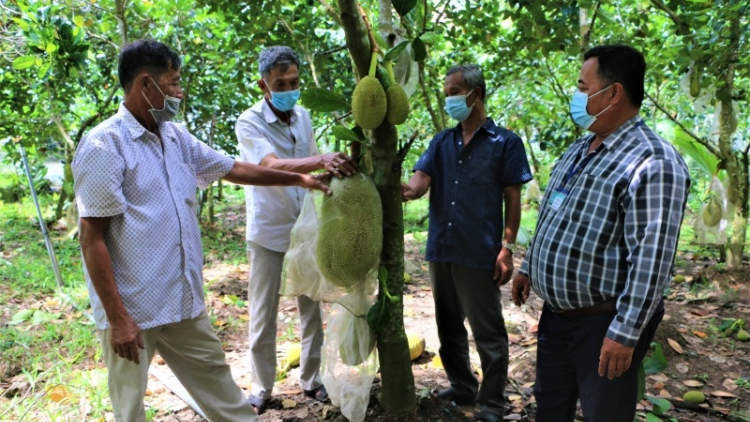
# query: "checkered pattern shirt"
615,233
147,186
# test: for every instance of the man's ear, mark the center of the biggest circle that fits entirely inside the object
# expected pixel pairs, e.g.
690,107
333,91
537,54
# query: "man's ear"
263,85
618,93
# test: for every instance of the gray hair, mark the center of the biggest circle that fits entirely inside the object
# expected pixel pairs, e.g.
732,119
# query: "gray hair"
276,56
472,74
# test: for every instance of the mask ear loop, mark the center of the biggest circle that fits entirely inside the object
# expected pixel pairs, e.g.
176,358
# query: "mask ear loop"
469,93
160,92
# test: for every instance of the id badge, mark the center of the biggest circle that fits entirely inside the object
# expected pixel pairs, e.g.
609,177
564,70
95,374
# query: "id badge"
557,198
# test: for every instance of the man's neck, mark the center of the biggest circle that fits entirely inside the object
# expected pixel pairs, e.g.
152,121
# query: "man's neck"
143,116
602,134
469,126
284,116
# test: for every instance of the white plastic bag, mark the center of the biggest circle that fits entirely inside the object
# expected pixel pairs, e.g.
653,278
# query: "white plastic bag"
350,360
716,234
301,275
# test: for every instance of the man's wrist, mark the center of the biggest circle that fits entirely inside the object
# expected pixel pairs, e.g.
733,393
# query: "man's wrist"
511,247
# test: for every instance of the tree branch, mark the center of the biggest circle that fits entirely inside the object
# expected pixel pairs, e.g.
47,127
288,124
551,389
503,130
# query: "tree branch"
711,147
401,155
331,11
682,27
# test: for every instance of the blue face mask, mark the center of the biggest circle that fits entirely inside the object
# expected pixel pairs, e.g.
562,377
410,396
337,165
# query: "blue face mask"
456,107
284,100
578,108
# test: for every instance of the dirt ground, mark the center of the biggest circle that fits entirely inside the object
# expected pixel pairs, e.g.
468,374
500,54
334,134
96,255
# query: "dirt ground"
699,356
698,353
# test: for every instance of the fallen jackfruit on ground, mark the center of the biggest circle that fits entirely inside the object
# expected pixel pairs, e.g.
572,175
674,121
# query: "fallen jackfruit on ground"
416,346
695,397
351,231
369,102
712,211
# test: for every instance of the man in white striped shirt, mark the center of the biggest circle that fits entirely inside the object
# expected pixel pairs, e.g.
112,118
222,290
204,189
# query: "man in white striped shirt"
604,246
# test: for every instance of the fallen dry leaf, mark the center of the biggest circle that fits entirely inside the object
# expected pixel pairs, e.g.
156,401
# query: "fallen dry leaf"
719,393
665,394
658,385
729,384
700,334
693,383
514,397
288,404
675,345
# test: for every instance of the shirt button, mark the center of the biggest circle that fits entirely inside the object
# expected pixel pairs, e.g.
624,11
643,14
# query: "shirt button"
455,182
460,161
450,224
453,202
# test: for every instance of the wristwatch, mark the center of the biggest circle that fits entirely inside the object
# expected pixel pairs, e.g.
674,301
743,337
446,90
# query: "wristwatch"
511,247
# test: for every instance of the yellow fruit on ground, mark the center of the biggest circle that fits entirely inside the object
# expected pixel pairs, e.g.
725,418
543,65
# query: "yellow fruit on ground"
350,235
712,211
694,397
369,103
742,335
679,278
292,357
398,104
416,346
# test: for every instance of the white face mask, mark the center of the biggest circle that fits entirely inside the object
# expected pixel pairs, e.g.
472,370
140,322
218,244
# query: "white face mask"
171,106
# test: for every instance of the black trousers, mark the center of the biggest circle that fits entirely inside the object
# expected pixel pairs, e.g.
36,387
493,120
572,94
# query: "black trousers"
462,293
567,369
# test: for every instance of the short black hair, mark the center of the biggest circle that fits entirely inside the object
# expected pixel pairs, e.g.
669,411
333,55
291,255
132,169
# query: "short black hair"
622,64
472,74
151,56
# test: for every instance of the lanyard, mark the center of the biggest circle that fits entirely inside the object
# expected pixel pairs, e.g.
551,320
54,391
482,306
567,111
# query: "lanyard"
576,168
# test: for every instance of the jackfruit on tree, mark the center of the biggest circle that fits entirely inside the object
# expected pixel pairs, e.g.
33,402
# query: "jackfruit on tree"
350,235
398,101
351,351
712,211
369,102
695,83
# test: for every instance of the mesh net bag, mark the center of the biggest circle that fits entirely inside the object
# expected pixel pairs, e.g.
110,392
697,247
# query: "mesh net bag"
710,224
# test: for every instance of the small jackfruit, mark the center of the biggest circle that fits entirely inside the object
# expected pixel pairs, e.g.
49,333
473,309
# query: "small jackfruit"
416,346
369,103
712,211
695,83
742,335
398,104
679,278
350,235
694,397
354,351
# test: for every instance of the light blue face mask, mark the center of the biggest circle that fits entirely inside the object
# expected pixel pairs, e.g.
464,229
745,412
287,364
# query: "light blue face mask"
456,107
284,100
578,108
170,109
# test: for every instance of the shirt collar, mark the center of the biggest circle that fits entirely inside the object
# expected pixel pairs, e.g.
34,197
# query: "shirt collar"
489,126
616,137
270,117
136,129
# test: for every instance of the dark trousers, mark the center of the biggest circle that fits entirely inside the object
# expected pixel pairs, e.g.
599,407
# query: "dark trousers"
567,369
462,293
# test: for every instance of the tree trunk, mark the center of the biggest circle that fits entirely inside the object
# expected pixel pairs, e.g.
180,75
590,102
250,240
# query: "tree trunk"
735,164
397,379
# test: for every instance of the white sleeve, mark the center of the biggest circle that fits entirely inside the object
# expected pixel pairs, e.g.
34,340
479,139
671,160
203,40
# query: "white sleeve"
254,145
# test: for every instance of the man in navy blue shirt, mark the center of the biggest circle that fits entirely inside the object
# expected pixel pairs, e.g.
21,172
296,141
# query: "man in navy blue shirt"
474,171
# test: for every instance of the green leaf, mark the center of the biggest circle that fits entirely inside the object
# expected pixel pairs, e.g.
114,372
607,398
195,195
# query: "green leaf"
641,383
657,362
344,134
429,37
650,417
40,317
319,99
393,53
377,316
383,274
726,323
420,52
660,405
24,62
685,143
21,316
78,20
42,72
403,6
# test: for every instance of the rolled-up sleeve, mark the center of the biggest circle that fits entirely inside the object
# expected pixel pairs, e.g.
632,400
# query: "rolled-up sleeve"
657,196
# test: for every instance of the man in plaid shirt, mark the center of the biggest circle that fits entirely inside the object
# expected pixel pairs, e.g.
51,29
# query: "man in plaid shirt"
604,246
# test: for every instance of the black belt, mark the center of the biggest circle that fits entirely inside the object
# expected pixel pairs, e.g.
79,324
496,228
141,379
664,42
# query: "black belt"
606,306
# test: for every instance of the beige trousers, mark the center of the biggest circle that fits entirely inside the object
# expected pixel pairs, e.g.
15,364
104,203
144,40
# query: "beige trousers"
263,301
194,354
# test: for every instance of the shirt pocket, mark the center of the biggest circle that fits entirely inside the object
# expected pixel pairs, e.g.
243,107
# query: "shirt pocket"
589,200
186,183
